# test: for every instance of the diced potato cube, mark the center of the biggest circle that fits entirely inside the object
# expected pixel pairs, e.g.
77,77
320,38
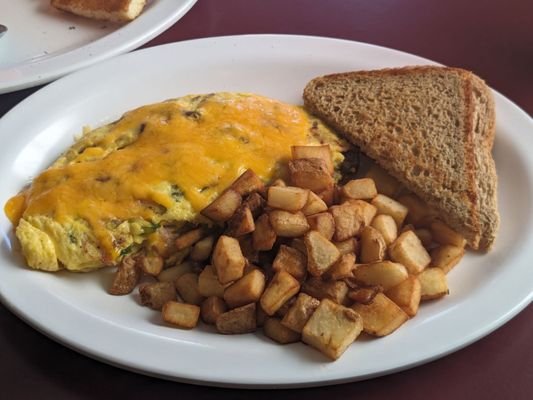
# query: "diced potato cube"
384,182
151,263
347,246
373,246
287,198
367,210
406,295
276,331
333,290
425,236
287,224
433,283
247,183
323,223
284,308
382,316
280,289
323,152
182,315
212,308
173,273
348,221
314,205
321,253
386,205
298,244
239,320
387,226
343,268
310,173
292,261
241,223
364,295
386,274
328,195
208,283
155,295
187,239
332,328
255,203
443,234
264,236
228,259
359,189
187,286
279,182
223,207
246,290
446,257
408,250
126,278
300,312
418,209
201,251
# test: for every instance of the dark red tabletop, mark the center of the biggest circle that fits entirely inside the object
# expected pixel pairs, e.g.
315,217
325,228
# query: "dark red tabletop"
493,38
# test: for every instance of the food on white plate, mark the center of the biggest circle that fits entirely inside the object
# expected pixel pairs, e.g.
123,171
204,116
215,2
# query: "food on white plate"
430,127
110,10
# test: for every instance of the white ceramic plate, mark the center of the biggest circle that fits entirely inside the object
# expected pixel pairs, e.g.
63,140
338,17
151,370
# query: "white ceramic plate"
43,43
74,309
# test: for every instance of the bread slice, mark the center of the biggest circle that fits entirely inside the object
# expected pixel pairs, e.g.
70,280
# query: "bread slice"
109,10
430,127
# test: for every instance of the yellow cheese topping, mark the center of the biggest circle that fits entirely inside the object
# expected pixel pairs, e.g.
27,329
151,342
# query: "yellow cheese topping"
198,152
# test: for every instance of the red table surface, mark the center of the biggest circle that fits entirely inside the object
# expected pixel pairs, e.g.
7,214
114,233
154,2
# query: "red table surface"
493,38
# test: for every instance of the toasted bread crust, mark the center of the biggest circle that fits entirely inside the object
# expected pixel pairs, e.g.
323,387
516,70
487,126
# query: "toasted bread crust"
111,10
463,199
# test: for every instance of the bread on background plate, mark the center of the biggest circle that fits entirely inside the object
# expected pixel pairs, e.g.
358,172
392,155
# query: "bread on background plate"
430,127
109,10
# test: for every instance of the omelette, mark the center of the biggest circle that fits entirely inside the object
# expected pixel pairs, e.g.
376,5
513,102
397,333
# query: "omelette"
158,165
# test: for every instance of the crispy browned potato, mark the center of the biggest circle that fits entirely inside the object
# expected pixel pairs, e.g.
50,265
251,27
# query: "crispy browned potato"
408,250
343,268
264,236
280,313
248,250
425,236
126,277
373,246
291,260
406,295
280,289
367,210
433,283
256,203
332,328
228,259
298,244
242,222
443,234
300,312
348,246
314,205
247,183
187,239
359,189
150,262
202,249
279,182
223,207
173,273
386,274
446,257
246,290
364,295
310,173
187,286
387,227
385,183
321,253
155,295
323,223
276,331
348,221
163,241
419,211
386,205
182,315
328,195
211,309
288,198
323,152
287,224
239,320
208,283
333,290
382,316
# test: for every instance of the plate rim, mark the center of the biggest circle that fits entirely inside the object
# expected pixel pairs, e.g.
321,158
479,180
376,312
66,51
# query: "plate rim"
91,353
